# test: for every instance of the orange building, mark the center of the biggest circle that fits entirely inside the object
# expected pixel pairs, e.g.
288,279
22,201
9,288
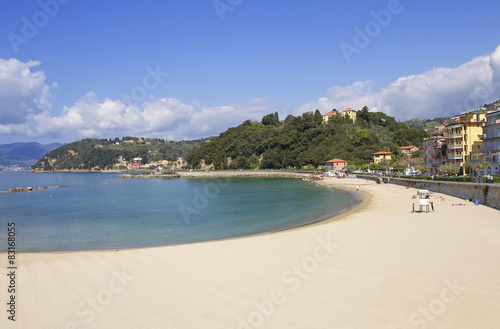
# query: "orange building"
336,164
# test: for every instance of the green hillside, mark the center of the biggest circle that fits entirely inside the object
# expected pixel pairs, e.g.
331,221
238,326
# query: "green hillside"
299,141
99,154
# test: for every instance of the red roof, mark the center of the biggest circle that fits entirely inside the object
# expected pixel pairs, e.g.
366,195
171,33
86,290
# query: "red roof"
336,160
382,152
331,113
407,147
349,109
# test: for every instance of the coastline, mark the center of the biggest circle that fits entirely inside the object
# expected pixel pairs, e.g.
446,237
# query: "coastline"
355,202
377,267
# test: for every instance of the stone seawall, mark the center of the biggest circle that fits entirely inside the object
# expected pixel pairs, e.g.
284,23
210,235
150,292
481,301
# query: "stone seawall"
487,194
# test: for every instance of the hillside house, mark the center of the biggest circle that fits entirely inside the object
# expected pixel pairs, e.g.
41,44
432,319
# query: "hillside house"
327,116
382,155
348,113
351,114
336,164
408,150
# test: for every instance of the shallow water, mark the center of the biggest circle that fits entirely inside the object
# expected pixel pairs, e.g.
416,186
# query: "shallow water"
101,211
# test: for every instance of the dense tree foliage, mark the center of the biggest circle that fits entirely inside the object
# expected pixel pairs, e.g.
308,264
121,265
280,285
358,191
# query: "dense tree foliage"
299,141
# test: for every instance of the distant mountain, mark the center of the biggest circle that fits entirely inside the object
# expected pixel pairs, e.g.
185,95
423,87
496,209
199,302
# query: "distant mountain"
24,154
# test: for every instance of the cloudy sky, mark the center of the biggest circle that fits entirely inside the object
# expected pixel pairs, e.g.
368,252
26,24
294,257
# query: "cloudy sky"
71,69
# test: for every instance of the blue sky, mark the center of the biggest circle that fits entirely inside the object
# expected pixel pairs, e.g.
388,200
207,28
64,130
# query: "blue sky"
72,69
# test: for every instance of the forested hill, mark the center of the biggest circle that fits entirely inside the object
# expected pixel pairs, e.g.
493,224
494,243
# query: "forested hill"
299,141
429,124
102,154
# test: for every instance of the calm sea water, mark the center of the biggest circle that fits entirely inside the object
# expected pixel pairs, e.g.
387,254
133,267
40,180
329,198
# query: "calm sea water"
102,211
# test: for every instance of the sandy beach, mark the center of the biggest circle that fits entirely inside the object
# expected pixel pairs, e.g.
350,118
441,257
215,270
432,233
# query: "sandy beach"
376,266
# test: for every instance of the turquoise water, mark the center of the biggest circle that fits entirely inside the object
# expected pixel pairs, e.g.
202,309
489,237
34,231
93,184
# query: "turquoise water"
101,211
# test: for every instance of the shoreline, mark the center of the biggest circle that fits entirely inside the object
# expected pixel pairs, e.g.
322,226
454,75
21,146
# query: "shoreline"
357,201
376,268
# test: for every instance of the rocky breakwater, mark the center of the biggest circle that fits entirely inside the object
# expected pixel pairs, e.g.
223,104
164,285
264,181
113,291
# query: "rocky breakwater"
145,176
228,173
25,189
248,173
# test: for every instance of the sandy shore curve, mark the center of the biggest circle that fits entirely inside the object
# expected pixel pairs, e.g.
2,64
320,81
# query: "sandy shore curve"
376,266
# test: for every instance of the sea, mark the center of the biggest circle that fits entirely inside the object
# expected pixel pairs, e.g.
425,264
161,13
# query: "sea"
100,211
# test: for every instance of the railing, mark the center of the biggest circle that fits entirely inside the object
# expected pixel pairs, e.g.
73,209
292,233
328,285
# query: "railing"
454,136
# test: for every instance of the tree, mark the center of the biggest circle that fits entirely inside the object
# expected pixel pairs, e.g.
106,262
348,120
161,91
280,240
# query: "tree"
449,169
269,120
473,168
363,116
350,167
318,117
422,169
384,164
417,154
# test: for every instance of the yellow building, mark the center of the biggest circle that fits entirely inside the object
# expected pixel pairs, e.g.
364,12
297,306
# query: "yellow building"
351,114
382,155
464,138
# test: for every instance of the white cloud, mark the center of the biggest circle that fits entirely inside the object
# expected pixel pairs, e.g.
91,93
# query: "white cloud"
439,92
164,118
23,93
25,108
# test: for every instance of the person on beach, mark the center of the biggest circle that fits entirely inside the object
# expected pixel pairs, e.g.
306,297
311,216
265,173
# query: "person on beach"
357,188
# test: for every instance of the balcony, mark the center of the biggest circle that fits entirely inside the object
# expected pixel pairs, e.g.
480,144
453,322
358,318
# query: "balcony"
454,136
455,157
454,147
